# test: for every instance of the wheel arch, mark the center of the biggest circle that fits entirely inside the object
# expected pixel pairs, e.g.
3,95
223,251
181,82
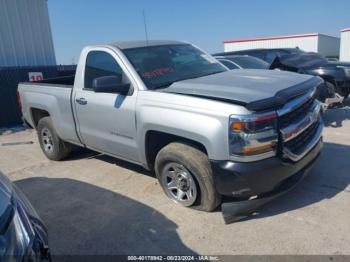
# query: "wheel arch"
37,114
156,140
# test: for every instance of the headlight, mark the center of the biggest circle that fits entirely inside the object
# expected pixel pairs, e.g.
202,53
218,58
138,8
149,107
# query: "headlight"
253,137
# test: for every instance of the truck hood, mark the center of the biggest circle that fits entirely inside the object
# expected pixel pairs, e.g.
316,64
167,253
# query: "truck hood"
254,89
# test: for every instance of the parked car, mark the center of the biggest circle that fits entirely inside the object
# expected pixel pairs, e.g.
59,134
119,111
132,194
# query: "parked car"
243,62
170,107
325,94
23,236
332,59
336,77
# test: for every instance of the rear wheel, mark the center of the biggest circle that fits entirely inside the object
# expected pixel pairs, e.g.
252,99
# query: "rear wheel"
185,175
53,147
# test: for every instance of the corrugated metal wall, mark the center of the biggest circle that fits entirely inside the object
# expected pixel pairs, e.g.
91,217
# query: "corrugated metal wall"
9,79
328,45
25,34
305,43
345,45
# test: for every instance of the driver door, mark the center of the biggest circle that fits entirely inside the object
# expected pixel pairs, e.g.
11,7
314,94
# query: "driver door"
106,121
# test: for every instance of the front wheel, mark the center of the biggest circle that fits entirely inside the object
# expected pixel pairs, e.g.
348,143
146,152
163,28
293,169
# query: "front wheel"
185,175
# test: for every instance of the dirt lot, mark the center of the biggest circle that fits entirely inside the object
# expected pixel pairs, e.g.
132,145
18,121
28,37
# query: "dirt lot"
93,204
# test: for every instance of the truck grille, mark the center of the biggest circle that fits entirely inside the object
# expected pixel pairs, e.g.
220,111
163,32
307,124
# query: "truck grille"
297,114
297,144
300,126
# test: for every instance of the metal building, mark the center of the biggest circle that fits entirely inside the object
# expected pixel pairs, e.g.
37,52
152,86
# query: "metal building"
25,34
345,45
324,44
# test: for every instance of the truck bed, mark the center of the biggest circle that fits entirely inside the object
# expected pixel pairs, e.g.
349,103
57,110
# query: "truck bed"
52,96
64,82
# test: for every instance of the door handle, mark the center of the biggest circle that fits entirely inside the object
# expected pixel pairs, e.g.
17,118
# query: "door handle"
81,101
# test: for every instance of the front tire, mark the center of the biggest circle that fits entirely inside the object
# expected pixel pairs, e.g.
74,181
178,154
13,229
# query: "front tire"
53,147
185,175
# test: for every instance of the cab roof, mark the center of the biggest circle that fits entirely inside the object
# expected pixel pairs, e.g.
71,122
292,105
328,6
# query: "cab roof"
144,43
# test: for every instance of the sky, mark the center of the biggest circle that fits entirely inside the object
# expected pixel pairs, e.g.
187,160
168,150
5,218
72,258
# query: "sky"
205,23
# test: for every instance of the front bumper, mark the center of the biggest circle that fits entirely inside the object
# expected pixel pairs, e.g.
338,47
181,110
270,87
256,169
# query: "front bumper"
264,180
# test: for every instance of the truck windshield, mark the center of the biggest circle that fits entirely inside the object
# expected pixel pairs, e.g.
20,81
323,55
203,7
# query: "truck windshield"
249,62
160,66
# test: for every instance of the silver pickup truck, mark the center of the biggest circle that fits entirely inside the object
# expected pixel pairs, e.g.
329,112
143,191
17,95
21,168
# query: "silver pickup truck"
207,132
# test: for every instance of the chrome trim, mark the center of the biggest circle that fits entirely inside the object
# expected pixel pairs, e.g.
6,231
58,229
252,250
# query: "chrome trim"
253,157
262,138
295,103
296,129
308,147
252,117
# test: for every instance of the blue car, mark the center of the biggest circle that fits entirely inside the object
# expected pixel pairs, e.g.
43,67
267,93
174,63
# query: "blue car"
23,236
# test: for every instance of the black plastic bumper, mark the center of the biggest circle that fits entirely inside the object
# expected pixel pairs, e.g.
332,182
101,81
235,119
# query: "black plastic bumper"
265,180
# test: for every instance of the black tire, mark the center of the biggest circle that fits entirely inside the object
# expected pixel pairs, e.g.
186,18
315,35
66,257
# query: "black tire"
344,94
331,94
331,89
59,149
347,95
198,165
323,92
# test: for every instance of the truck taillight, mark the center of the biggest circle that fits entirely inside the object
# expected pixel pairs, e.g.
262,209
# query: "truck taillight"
19,102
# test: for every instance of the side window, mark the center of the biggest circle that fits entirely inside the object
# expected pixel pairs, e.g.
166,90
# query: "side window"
230,65
98,64
258,54
270,56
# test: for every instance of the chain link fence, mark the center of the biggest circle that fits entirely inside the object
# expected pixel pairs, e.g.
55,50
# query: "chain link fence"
10,113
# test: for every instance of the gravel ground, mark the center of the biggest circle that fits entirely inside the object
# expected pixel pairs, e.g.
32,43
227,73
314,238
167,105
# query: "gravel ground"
94,204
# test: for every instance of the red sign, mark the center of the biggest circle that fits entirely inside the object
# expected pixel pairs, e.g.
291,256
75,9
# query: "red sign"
35,76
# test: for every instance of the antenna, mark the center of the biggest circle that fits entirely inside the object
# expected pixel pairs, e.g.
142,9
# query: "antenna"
144,22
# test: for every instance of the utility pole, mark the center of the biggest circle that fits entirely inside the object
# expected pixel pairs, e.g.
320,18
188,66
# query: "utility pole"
145,25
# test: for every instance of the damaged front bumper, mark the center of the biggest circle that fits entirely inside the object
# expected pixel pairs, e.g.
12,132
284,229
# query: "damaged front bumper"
252,185
234,211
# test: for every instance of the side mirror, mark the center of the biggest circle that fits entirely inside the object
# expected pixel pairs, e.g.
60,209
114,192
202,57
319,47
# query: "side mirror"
110,84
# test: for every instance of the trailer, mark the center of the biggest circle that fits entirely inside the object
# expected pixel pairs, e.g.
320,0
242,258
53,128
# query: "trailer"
345,45
319,43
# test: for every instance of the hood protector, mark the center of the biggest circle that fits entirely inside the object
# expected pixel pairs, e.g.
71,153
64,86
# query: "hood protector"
255,89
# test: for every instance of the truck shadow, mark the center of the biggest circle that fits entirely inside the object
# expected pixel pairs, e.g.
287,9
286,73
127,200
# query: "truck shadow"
83,219
329,176
81,153
334,117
